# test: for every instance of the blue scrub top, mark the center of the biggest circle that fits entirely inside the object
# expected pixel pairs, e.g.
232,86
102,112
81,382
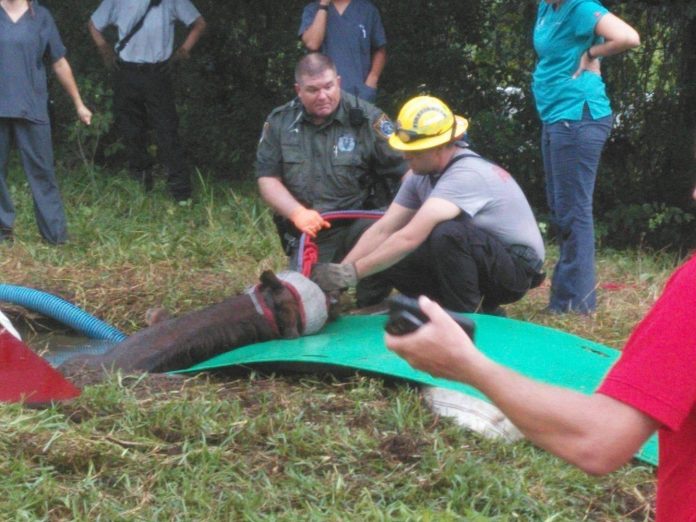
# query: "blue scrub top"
561,36
23,46
350,40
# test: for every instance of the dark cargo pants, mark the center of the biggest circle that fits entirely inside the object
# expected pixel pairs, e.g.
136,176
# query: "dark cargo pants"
144,98
464,268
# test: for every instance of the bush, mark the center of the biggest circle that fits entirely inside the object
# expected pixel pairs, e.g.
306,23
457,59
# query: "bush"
472,53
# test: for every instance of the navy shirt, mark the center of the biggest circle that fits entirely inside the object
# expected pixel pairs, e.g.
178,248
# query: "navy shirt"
23,46
350,40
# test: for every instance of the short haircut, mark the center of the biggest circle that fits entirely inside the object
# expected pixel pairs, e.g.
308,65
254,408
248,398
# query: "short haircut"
313,64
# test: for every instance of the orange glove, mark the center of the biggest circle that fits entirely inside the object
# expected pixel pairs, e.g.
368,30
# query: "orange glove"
308,221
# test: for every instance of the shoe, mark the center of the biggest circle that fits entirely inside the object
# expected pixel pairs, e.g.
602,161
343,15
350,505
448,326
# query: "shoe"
6,235
146,178
556,311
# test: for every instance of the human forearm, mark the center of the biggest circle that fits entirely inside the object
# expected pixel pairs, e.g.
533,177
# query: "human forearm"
97,36
618,37
388,241
384,254
596,433
610,48
197,29
379,60
65,76
274,193
580,429
313,37
369,240
64,73
306,220
105,50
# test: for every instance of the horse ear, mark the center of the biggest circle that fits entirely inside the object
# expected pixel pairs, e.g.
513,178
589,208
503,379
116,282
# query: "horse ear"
270,280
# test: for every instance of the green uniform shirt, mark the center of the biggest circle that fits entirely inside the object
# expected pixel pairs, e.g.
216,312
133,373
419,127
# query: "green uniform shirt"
330,166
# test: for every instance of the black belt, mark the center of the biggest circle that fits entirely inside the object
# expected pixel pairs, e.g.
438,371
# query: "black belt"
137,66
528,257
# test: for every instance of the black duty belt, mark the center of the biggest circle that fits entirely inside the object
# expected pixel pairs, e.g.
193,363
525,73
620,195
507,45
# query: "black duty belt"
136,66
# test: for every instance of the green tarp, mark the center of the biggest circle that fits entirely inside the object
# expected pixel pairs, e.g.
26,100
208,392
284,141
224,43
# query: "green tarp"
357,342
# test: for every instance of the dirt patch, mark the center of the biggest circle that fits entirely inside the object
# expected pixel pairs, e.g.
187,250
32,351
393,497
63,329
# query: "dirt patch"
401,447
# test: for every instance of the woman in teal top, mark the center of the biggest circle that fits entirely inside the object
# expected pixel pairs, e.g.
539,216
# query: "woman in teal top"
570,38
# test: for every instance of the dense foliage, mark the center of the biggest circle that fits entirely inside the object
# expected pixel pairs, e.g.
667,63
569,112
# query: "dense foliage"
475,54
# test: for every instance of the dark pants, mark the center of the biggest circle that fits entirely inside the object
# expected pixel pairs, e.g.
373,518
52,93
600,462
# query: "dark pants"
463,268
334,244
144,98
36,152
571,152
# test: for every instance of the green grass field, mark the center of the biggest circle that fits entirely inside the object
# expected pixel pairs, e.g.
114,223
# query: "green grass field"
260,447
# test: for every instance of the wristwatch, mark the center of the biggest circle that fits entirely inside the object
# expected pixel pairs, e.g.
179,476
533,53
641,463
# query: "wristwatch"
589,54
323,7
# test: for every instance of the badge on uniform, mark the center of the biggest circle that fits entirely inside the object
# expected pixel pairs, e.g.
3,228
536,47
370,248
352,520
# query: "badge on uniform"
346,143
383,126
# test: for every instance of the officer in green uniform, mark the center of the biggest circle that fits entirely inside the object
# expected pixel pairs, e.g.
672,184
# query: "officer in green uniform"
325,151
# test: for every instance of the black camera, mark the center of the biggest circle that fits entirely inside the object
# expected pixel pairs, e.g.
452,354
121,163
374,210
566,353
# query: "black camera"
405,316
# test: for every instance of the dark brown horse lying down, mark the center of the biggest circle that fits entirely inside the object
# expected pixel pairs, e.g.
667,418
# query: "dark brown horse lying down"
285,306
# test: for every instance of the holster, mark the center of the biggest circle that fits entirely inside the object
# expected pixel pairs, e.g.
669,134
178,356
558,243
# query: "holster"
289,235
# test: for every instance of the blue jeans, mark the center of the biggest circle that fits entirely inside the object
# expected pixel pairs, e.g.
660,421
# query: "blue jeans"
571,151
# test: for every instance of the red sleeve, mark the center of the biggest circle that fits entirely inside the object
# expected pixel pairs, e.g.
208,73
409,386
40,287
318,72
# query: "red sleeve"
656,373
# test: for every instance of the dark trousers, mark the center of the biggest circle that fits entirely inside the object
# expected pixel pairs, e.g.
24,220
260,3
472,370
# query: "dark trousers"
334,244
144,98
36,152
463,268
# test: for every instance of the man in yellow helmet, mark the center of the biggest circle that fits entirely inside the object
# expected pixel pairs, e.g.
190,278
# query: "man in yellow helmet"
460,230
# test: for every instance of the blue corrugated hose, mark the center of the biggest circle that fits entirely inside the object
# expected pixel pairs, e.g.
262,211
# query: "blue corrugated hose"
61,310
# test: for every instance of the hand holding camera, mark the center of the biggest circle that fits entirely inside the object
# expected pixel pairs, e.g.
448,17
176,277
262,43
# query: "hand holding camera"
405,316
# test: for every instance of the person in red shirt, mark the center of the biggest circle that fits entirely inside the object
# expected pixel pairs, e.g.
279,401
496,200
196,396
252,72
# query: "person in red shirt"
651,387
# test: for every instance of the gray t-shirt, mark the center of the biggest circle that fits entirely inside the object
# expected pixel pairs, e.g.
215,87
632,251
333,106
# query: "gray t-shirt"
154,42
23,46
486,192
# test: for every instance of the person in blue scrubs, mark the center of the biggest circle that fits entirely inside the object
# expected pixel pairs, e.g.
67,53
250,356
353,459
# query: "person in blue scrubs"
571,37
28,34
350,32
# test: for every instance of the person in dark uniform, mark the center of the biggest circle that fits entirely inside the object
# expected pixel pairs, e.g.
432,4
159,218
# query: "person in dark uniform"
324,151
28,34
143,91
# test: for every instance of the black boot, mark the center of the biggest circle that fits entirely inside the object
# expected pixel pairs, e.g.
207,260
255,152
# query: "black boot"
145,176
6,235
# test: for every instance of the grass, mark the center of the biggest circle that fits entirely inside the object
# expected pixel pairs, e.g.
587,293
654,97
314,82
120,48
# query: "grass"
259,447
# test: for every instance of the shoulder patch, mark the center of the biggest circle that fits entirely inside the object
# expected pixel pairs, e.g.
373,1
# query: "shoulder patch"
383,126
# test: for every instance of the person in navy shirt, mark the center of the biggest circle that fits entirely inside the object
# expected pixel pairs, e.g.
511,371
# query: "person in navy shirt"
350,32
28,38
